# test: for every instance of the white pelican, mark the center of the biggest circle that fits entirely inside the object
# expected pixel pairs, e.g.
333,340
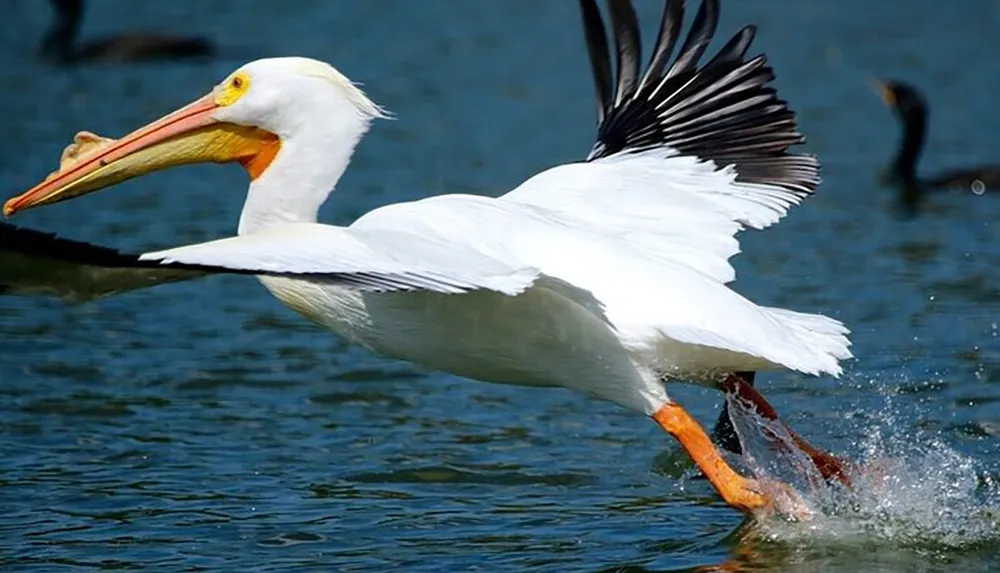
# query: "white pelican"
606,276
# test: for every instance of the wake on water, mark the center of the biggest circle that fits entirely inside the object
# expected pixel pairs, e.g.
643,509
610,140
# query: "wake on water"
910,488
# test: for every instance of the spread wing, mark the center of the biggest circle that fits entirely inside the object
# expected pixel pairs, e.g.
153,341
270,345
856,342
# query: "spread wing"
688,153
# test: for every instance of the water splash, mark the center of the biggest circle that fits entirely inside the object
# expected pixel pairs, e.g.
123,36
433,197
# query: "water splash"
911,488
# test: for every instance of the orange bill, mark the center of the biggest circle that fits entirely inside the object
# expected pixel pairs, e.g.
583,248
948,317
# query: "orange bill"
884,91
188,135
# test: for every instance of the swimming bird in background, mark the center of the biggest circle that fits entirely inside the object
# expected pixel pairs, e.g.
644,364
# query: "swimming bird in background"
606,276
60,43
910,107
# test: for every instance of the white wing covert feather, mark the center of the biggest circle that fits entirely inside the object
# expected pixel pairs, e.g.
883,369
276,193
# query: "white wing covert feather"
667,205
404,261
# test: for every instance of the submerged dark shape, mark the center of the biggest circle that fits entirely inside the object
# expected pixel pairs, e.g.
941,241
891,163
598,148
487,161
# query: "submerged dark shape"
910,107
60,42
722,111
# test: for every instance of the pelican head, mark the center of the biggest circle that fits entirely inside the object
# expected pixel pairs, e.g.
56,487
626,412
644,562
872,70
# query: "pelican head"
255,117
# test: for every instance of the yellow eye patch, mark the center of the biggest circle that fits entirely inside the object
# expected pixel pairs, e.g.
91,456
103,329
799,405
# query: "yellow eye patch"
233,89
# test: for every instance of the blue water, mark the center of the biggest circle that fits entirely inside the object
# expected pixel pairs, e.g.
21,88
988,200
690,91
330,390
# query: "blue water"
202,425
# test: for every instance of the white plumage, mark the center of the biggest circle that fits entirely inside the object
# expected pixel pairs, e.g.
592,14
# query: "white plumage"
607,276
644,264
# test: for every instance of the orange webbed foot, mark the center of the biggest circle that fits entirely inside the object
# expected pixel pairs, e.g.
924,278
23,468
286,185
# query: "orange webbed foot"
753,497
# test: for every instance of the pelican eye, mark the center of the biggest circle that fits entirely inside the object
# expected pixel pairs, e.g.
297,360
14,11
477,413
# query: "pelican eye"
233,89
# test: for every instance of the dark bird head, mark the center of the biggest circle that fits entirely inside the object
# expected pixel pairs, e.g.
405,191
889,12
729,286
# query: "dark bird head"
59,42
904,99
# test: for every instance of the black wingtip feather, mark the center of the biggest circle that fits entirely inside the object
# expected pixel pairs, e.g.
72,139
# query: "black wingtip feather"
50,246
666,40
723,110
698,38
736,48
42,245
628,45
597,49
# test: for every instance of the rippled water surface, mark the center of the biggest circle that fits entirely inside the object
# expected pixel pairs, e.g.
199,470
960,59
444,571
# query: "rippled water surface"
202,425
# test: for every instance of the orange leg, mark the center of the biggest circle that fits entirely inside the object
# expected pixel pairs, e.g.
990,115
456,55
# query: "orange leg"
744,494
829,466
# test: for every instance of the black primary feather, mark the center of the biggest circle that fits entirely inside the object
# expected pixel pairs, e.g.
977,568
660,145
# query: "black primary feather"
32,262
597,48
698,38
723,111
628,46
666,39
38,244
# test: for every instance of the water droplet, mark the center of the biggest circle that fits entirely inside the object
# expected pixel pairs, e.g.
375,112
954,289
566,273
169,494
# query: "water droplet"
978,187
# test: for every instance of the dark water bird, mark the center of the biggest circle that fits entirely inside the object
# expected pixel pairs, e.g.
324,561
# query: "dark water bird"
60,43
910,107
